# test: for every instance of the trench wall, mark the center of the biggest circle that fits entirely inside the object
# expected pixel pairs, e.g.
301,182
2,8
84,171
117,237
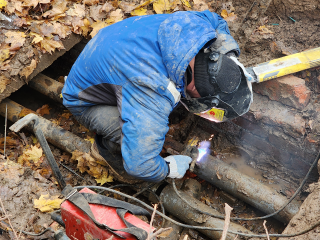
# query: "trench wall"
282,129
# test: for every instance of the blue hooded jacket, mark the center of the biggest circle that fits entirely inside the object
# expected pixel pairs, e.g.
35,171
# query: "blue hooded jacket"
139,64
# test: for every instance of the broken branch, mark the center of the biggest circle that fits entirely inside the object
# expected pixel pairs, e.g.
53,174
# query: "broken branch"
265,228
7,216
151,221
228,210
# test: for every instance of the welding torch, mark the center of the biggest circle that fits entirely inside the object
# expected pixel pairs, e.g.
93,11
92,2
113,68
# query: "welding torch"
191,150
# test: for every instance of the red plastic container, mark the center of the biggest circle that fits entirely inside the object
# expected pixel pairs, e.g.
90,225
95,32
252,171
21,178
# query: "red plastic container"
80,226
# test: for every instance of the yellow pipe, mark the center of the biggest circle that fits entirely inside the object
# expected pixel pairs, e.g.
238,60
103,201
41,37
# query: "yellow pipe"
287,65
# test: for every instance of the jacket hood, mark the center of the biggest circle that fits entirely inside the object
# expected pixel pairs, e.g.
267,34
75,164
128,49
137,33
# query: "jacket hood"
181,36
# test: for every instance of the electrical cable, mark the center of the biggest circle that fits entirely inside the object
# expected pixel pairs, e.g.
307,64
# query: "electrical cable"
199,227
29,233
141,191
256,218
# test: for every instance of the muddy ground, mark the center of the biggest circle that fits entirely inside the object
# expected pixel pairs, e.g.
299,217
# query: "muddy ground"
290,26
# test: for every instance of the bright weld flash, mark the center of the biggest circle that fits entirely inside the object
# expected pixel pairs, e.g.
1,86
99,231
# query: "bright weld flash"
202,148
202,152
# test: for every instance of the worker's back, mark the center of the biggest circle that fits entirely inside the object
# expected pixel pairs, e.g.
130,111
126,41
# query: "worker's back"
147,50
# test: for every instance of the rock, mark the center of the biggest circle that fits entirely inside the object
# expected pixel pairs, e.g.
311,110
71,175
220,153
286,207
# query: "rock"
289,90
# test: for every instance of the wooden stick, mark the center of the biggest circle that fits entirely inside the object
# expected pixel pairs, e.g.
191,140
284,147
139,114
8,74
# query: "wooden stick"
5,134
7,216
228,210
265,228
151,221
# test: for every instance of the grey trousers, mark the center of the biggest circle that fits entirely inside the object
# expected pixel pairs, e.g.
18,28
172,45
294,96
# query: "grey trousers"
104,120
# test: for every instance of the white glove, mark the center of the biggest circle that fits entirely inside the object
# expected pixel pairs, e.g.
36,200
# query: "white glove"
178,165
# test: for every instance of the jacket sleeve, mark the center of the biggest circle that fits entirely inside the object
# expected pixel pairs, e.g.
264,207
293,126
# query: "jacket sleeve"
144,114
224,42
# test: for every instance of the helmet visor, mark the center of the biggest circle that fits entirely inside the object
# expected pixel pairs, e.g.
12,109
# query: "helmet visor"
221,107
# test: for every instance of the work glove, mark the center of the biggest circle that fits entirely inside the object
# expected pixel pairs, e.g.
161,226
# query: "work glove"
178,165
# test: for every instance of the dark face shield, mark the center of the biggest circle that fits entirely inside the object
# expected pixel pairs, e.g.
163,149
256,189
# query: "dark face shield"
227,97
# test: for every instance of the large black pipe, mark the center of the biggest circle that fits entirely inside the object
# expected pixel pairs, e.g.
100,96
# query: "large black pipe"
56,135
245,188
178,208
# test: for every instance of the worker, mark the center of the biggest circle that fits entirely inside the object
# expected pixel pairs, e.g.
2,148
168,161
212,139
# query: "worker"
132,74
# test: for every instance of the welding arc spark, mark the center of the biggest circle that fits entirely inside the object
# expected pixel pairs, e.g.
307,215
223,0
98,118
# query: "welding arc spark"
202,152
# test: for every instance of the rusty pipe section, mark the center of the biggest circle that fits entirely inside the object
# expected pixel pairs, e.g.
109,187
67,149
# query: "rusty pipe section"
240,185
54,134
245,188
47,86
178,208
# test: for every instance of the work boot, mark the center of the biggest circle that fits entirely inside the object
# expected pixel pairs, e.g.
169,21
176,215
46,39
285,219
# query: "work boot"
112,159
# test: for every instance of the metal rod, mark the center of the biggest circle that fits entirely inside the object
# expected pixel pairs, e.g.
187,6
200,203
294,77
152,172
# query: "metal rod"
51,160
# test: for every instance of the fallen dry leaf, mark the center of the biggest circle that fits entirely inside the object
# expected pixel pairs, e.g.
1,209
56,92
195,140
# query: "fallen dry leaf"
90,2
88,164
4,54
34,139
229,17
90,140
34,3
19,22
29,69
264,30
200,5
11,170
10,142
3,83
224,13
126,6
160,6
107,7
3,3
58,7
48,45
115,16
104,178
66,115
61,30
33,154
139,12
186,3
85,30
77,24
37,38
166,233
46,29
78,10
46,203
14,6
24,112
96,27
45,109
96,13
15,38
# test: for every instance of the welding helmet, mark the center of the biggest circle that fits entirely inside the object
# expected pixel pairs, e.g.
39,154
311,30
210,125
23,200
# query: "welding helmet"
223,85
